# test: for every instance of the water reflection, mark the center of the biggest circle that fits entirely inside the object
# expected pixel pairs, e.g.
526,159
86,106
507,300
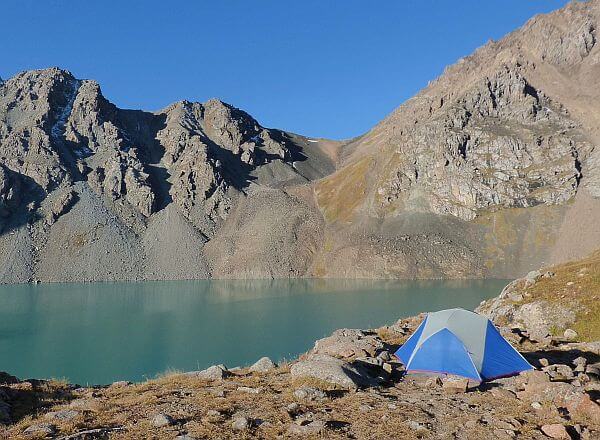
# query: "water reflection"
98,333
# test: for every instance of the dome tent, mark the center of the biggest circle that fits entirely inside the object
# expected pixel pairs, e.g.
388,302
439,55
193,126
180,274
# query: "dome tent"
462,343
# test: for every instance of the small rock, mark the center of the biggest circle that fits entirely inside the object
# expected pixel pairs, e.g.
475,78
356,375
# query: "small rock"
532,276
309,393
385,356
559,371
293,409
536,405
503,392
593,369
535,377
312,428
580,363
570,334
249,390
556,430
63,414
455,385
217,391
263,365
470,424
544,362
40,429
416,426
213,413
215,372
120,384
516,297
160,420
185,437
433,382
240,423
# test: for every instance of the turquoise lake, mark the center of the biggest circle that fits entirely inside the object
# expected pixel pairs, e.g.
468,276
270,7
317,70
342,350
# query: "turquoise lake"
102,332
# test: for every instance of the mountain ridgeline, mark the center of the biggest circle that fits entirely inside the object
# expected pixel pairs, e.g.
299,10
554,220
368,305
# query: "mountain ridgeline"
490,171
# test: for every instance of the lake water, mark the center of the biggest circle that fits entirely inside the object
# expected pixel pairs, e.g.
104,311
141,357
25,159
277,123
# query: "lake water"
101,332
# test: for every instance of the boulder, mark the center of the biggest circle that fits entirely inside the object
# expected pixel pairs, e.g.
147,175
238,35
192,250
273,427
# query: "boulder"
349,343
581,403
263,365
333,371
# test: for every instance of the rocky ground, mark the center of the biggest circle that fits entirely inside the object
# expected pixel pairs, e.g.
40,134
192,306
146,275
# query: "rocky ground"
347,386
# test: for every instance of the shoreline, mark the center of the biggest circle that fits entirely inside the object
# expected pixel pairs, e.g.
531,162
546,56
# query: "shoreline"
349,369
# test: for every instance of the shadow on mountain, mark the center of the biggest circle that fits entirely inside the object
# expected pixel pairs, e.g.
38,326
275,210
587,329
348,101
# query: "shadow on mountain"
23,209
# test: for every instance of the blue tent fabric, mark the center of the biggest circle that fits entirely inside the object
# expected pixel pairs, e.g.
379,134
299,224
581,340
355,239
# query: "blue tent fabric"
500,358
461,343
404,353
444,353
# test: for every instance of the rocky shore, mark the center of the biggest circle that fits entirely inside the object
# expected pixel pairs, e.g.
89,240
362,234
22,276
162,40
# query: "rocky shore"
347,386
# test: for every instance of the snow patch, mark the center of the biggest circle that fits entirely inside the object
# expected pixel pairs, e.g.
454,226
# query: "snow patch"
312,140
58,129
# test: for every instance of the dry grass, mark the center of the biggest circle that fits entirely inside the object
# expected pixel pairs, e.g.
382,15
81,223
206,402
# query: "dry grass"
205,409
575,285
341,193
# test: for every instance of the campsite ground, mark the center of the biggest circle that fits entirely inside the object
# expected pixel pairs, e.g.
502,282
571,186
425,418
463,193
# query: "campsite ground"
274,404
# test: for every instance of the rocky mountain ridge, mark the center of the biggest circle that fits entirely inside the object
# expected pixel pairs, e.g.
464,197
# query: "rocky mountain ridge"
485,173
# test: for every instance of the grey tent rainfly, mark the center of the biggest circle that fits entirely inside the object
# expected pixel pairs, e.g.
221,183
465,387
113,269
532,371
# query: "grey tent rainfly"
461,343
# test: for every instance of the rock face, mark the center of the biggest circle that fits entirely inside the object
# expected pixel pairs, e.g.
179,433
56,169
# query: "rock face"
63,145
460,181
485,149
496,145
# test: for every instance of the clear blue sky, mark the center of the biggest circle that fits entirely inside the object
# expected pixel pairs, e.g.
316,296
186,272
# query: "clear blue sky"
316,67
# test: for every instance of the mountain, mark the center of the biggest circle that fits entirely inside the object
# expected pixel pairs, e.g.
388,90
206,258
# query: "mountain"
490,171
